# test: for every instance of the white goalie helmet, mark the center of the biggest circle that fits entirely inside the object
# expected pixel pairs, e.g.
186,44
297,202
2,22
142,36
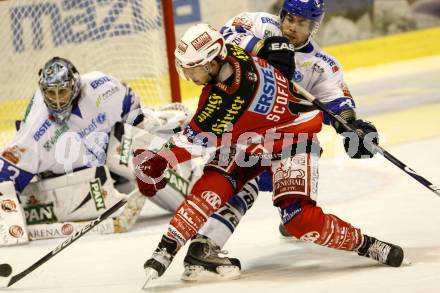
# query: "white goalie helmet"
60,85
199,45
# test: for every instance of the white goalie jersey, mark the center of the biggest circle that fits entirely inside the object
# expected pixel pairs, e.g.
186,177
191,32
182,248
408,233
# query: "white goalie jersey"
41,145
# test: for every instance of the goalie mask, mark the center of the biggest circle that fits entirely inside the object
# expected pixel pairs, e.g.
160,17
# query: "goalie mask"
199,45
60,85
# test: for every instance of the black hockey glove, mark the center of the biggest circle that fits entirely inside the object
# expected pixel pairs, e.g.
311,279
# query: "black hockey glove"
354,146
280,53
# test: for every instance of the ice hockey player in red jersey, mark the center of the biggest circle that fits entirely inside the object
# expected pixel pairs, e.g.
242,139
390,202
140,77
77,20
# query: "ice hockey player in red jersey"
317,72
250,122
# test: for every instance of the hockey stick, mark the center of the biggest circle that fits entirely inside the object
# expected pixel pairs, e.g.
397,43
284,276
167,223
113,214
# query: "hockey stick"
374,147
71,239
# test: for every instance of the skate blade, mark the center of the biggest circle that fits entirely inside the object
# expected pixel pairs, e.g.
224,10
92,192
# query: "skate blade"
4,282
291,239
198,273
151,274
406,262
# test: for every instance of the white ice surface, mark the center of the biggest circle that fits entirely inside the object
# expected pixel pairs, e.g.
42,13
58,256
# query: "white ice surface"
371,194
375,196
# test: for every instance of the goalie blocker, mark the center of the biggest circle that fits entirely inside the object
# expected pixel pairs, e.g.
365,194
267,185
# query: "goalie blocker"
13,229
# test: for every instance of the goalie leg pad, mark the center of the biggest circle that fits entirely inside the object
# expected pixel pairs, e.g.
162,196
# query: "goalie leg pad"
129,215
67,229
179,183
13,228
80,196
123,140
309,223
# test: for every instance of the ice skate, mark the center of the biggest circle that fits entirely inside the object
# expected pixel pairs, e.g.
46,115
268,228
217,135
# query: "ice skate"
285,234
380,251
203,263
160,260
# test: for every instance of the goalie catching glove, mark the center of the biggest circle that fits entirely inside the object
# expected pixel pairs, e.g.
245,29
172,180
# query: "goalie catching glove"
149,171
279,53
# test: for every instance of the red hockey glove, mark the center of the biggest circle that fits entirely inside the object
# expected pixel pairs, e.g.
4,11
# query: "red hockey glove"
149,168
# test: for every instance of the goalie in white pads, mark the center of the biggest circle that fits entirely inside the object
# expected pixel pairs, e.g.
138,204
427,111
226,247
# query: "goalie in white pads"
65,131
70,124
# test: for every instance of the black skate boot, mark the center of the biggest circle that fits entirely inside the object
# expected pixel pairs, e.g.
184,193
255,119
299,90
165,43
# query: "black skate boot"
283,231
161,259
285,234
383,252
202,262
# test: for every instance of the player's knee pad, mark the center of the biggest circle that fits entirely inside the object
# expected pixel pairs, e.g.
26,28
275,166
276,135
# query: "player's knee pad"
216,182
211,192
308,222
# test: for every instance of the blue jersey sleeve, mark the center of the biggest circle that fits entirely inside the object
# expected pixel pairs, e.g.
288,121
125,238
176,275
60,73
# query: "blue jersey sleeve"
9,172
337,106
265,182
130,104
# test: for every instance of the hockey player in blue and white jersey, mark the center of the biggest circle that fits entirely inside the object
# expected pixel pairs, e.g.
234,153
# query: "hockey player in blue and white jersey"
317,72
